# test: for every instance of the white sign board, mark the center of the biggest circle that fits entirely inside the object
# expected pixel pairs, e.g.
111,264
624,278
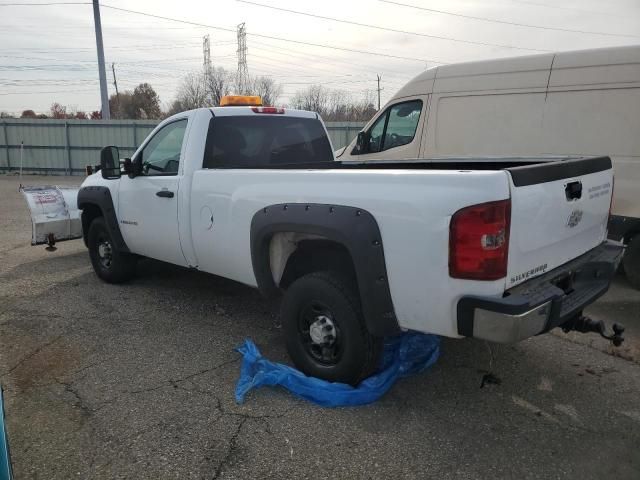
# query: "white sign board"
54,213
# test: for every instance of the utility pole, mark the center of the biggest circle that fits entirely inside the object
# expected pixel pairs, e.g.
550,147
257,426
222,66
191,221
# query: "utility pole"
104,94
242,77
379,90
115,82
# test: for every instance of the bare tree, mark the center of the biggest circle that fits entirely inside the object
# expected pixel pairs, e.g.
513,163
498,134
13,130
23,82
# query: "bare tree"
340,106
315,98
335,105
192,92
58,110
219,83
200,90
267,88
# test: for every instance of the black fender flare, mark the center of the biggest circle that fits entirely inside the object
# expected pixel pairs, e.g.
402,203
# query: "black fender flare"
101,198
354,228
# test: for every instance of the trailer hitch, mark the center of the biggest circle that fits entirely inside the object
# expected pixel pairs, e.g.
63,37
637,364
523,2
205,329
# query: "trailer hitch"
583,324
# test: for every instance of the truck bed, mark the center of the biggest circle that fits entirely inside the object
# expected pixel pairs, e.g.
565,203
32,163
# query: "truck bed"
444,163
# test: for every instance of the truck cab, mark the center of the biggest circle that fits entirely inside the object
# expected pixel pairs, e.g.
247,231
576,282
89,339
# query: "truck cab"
156,212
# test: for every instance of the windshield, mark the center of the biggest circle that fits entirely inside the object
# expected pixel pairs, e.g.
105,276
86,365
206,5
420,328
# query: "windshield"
265,141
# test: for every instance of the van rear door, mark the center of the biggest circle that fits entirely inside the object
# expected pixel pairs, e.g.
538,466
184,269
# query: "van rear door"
559,211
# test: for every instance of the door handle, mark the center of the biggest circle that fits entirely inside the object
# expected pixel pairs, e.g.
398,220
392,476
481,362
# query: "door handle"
165,194
573,191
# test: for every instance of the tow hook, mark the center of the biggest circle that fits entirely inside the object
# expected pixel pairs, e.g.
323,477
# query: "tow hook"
584,324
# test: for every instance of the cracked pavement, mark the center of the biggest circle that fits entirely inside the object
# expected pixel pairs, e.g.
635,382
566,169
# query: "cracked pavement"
137,381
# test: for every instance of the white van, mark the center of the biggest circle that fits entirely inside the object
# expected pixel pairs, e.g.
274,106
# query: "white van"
580,103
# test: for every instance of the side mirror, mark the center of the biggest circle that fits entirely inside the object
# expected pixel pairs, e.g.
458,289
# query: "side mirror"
136,166
110,163
361,144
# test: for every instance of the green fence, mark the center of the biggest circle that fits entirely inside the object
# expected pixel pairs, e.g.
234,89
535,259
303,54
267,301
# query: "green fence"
67,146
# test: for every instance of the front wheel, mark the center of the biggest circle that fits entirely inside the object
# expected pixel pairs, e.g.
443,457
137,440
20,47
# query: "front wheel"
631,261
109,264
324,329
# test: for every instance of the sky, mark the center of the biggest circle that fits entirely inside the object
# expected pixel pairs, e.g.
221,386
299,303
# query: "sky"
48,52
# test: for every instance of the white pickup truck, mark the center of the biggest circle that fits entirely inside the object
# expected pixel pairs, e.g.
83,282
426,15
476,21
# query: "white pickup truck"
493,248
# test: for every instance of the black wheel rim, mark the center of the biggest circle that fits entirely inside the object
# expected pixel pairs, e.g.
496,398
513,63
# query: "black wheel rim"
319,333
104,252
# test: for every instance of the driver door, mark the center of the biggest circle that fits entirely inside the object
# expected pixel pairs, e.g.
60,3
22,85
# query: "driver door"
148,202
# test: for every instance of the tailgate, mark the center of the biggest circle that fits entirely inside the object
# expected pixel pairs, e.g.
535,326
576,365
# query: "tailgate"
559,211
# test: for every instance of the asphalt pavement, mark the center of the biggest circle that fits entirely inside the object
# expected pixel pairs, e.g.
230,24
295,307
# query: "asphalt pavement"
137,381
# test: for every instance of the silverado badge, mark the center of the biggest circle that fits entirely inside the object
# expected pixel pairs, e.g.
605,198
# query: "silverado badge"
574,218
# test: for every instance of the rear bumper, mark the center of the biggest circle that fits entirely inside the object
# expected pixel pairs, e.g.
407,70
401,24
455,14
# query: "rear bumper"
542,303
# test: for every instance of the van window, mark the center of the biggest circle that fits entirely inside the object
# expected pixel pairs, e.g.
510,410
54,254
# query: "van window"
249,141
394,128
402,124
375,135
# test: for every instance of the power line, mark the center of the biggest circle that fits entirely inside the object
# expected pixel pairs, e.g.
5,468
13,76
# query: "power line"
503,22
42,4
32,92
342,63
378,27
149,46
149,74
558,7
357,68
329,76
299,42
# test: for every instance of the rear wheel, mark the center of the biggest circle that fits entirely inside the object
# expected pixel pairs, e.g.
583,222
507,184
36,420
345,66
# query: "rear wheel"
631,261
325,331
109,264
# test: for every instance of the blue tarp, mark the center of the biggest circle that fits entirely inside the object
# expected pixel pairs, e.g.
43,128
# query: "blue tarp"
5,461
404,355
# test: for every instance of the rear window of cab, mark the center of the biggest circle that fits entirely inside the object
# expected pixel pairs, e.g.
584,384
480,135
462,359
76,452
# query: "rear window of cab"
256,141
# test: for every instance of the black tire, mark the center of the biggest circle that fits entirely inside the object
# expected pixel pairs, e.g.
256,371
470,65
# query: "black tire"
109,264
631,262
326,303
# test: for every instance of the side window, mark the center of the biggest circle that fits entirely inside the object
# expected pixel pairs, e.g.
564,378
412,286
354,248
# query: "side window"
161,156
376,133
395,127
402,124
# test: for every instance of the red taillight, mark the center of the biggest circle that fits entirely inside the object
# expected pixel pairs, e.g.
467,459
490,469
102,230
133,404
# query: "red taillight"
479,241
267,110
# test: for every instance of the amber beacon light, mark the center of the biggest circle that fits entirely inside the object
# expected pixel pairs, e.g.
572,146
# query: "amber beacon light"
241,101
